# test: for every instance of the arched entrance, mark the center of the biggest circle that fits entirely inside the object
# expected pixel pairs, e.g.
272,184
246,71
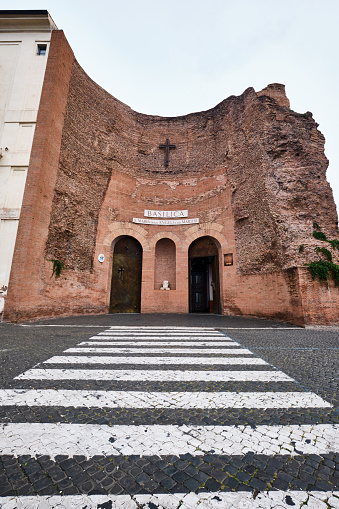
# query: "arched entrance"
126,276
204,293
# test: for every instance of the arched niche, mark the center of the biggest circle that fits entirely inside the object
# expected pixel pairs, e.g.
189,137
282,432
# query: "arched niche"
204,292
165,263
126,275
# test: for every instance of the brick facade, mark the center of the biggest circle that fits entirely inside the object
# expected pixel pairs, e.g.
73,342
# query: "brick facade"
251,170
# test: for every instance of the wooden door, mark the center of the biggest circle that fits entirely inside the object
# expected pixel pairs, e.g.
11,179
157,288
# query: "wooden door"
126,276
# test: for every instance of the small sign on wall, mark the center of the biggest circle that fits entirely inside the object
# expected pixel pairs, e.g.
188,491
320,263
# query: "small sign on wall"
228,259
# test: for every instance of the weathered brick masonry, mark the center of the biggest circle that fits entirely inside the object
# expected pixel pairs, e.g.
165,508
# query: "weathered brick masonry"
251,170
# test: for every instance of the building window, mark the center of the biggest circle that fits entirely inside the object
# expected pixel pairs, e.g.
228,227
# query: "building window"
41,50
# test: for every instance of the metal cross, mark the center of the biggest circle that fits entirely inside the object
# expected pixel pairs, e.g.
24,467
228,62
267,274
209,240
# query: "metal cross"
167,148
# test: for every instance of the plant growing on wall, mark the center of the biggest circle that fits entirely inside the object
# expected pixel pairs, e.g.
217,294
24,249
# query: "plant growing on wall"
324,268
58,266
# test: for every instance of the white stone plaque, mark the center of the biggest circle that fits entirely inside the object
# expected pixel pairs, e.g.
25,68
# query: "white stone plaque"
166,213
9,213
166,222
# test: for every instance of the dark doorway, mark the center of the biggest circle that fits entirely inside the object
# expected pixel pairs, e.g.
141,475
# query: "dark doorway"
204,276
199,289
126,276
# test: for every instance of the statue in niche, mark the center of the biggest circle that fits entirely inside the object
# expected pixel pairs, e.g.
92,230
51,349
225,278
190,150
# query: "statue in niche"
165,286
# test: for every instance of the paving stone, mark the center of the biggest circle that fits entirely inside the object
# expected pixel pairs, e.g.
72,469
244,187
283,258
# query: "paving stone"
219,475
181,477
72,490
170,470
168,483
191,470
87,486
130,485
64,483
257,484
263,475
43,483
192,484
208,469
80,479
107,482
298,484
196,461
142,479
213,485
116,489
200,476
229,483
149,469
323,485
25,490
243,476
278,484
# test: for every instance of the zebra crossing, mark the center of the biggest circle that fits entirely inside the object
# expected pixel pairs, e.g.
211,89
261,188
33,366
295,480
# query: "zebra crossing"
166,417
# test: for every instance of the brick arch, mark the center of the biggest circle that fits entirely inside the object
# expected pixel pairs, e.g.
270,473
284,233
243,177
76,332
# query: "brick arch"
165,235
206,230
130,229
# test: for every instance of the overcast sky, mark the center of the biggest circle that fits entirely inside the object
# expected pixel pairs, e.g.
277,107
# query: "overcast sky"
181,56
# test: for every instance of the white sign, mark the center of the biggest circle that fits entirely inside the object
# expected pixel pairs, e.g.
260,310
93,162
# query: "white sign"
9,213
101,258
168,222
166,213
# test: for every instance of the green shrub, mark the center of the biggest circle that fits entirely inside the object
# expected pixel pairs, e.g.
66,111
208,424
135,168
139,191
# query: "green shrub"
320,236
325,251
334,243
58,266
319,269
322,269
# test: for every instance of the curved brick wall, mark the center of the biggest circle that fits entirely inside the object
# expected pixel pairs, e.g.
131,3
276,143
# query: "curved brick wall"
272,159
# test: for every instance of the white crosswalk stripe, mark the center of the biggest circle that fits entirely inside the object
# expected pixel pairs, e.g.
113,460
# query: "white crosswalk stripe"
91,439
221,500
164,335
158,347
138,399
146,350
92,359
153,375
118,342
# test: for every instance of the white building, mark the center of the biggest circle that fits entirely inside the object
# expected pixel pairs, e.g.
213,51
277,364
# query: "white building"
24,44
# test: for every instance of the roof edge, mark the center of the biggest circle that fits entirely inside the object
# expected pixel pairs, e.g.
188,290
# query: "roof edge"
26,21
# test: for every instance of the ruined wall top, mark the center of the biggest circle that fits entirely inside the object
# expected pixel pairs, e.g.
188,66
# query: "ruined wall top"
277,92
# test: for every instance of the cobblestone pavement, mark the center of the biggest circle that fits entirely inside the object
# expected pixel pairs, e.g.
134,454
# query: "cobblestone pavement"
168,412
